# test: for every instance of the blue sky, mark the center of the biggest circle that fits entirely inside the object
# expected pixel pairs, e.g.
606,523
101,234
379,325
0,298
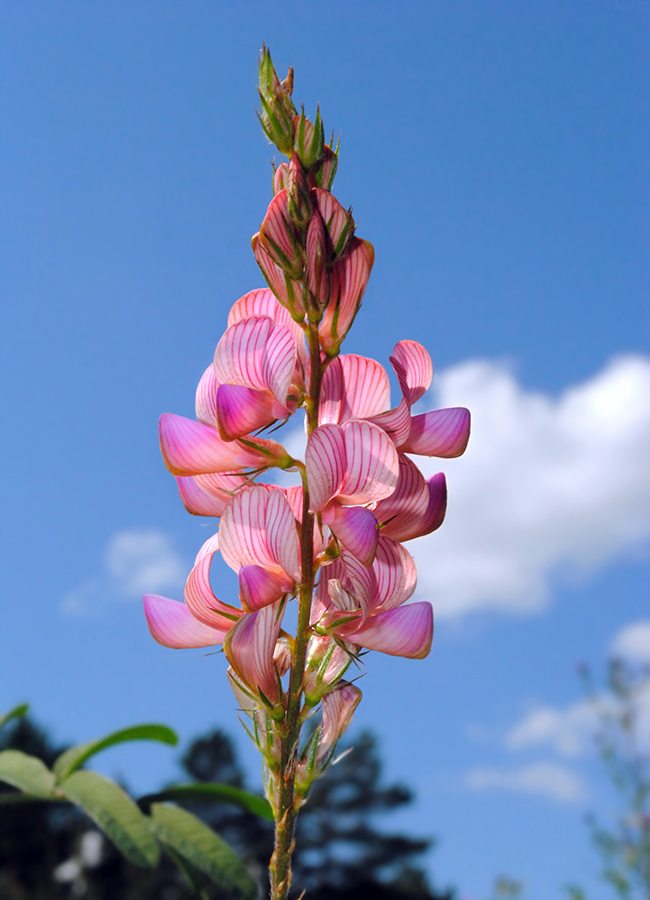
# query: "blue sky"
496,155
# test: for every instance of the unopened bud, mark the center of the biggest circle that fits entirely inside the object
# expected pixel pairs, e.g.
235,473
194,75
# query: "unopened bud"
322,176
277,235
326,663
316,262
280,178
282,657
288,292
309,139
300,207
277,112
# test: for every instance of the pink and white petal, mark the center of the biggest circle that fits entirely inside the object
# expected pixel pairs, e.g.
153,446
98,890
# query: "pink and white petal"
360,580
279,362
242,410
258,587
192,448
406,631
400,514
282,534
294,498
395,574
208,548
396,422
336,219
325,461
221,485
206,398
442,432
338,708
437,506
201,601
413,368
287,291
239,357
198,501
173,625
371,464
274,227
263,302
349,279
357,529
243,533
249,647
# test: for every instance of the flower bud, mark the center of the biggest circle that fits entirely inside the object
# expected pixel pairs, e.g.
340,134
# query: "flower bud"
326,663
322,175
280,178
349,279
277,110
309,140
287,291
299,194
318,281
277,235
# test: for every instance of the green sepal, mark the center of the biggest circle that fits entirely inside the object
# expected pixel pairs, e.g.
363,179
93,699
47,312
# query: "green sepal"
309,139
14,713
115,813
202,848
27,773
211,792
75,757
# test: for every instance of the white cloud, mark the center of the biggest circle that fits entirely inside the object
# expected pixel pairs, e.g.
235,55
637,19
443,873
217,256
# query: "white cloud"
547,485
545,779
632,643
135,562
568,731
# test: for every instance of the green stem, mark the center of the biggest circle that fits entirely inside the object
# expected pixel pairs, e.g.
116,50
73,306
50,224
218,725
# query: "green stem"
280,867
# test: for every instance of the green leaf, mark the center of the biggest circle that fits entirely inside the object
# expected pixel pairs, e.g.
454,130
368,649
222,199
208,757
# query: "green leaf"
210,792
115,813
14,713
27,773
75,757
202,848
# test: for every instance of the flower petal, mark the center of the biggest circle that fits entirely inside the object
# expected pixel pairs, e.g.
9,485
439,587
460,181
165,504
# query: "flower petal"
354,387
442,432
338,708
288,292
395,575
406,631
349,279
371,464
249,647
173,625
258,587
325,461
191,448
201,601
282,534
400,514
263,302
197,500
413,368
279,362
239,357
206,397
357,529
242,410
243,533
338,221
396,422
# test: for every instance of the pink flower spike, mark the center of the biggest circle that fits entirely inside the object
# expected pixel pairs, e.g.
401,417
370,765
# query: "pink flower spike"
442,432
413,368
258,587
197,500
349,279
249,647
371,464
191,448
242,410
406,631
357,529
338,708
173,625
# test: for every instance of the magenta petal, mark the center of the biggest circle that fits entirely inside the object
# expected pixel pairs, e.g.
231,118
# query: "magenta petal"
357,529
371,464
241,410
442,432
282,534
263,302
239,357
243,534
173,625
197,500
413,368
258,587
206,398
354,387
405,631
437,507
279,362
191,448
250,646
396,422
401,514
395,574
325,462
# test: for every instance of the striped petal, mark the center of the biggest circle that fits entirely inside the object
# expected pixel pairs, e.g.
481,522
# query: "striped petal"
243,534
396,422
339,222
263,302
413,368
442,432
173,625
401,513
357,529
406,631
220,485
276,234
395,575
192,448
249,647
371,464
197,500
349,279
206,397
201,601
325,462
279,362
282,534
239,357
288,292
242,410
258,587
354,387
338,708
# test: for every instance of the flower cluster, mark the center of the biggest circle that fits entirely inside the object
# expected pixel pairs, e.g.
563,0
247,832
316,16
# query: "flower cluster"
336,541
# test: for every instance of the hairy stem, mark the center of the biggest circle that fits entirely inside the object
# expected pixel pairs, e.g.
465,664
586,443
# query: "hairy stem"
280,867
